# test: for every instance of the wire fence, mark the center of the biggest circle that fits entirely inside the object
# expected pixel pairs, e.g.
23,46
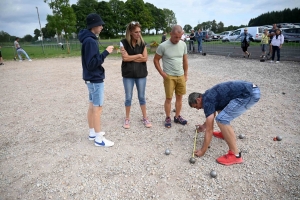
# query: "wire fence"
289,51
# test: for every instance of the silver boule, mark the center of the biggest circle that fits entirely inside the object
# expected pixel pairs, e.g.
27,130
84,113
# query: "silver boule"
167,152
213,174
279,138
241,136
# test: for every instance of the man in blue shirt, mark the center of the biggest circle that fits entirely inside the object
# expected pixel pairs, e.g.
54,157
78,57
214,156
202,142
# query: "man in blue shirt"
230,100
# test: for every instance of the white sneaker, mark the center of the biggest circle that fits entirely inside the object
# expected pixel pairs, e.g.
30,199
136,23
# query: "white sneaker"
277,61
20,60
92,135
30,60
101,141
271,61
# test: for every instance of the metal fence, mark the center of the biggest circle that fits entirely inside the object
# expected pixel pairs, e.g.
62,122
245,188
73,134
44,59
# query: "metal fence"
290,51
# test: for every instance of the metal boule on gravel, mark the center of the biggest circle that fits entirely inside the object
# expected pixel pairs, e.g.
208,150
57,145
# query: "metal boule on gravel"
192,160
278,138
213,174
241,136
167,152
174,110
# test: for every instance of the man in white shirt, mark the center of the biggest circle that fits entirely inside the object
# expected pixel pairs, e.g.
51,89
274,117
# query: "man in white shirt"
20,50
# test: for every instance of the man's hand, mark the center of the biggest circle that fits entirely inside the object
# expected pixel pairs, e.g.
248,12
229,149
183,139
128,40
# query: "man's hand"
110,49
199,152
185,77
200,128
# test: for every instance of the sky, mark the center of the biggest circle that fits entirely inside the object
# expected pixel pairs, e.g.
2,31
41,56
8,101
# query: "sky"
19,17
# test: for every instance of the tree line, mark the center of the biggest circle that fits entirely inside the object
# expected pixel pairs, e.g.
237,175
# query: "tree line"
285,16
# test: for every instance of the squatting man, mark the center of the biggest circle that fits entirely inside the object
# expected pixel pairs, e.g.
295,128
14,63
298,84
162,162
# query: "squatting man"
230,100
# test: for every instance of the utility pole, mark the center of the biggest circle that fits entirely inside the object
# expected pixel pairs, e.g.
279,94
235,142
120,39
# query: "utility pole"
37,10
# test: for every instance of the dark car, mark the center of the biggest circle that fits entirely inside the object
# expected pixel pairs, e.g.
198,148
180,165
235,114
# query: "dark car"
291,34
210,35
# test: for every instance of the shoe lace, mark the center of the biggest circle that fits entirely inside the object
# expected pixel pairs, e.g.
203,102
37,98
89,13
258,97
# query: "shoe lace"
168,119
180,119
146,121
126,121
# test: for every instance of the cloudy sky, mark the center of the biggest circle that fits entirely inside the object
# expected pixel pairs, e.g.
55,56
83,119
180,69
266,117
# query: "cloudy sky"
19,17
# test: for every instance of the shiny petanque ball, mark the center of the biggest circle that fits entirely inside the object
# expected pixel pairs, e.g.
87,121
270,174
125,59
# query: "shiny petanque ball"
167,152
192,160
278,138
241,136
213,174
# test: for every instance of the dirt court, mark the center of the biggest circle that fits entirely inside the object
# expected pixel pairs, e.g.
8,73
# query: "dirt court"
45,152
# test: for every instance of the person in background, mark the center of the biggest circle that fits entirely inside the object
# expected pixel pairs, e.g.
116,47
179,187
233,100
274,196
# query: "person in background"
61,45
1,59
94,75
174,73
199,37
134,70
163,37
277,41
271,34
264,42
224,102
192,41
245,42
20,50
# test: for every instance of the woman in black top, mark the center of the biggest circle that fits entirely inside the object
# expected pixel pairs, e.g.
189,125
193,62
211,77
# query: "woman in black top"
134,69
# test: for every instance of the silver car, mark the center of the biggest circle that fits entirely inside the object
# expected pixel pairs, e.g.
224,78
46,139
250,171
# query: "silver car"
291,34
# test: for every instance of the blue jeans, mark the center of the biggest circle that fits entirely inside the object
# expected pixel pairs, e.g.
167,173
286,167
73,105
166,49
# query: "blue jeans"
191,46
199,45
19,51
96,93
238,106
140,86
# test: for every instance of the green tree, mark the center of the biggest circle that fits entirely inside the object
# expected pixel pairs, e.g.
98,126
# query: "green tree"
63,18
81,10
28,38
48,32
214,26
220,27
187,28
158,15
37,34
137,11
106,13
170,19
5,37
119,14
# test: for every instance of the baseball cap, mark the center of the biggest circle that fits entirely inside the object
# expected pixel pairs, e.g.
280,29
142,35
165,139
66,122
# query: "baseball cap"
94,20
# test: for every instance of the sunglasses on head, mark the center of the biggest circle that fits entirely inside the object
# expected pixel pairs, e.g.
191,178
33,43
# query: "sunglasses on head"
134,23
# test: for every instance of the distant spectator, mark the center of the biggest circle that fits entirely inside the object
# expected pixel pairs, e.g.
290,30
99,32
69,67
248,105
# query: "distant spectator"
183,37
264,43
199,37
245,42
277,42
1,59
192,41
164,37
20,50
62,46
271,34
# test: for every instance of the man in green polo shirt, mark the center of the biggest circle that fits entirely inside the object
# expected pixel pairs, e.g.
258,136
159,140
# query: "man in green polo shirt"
173,53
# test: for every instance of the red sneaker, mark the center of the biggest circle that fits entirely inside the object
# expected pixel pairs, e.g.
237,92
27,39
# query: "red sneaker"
218,135
229,159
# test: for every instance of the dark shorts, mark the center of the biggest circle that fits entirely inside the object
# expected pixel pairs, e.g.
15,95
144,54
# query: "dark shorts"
0,54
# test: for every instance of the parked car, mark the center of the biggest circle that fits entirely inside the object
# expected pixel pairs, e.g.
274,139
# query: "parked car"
291,34
255,31
210,35
225,33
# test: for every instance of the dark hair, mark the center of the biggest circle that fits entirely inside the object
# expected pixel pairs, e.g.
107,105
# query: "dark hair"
16,38
279,33
193,98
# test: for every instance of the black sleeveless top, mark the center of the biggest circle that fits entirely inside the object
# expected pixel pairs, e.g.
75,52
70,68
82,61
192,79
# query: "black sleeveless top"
134,69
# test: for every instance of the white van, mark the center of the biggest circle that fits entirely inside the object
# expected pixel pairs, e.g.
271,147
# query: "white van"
255,31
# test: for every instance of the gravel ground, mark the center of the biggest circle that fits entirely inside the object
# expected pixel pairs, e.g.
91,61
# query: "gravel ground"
45,152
